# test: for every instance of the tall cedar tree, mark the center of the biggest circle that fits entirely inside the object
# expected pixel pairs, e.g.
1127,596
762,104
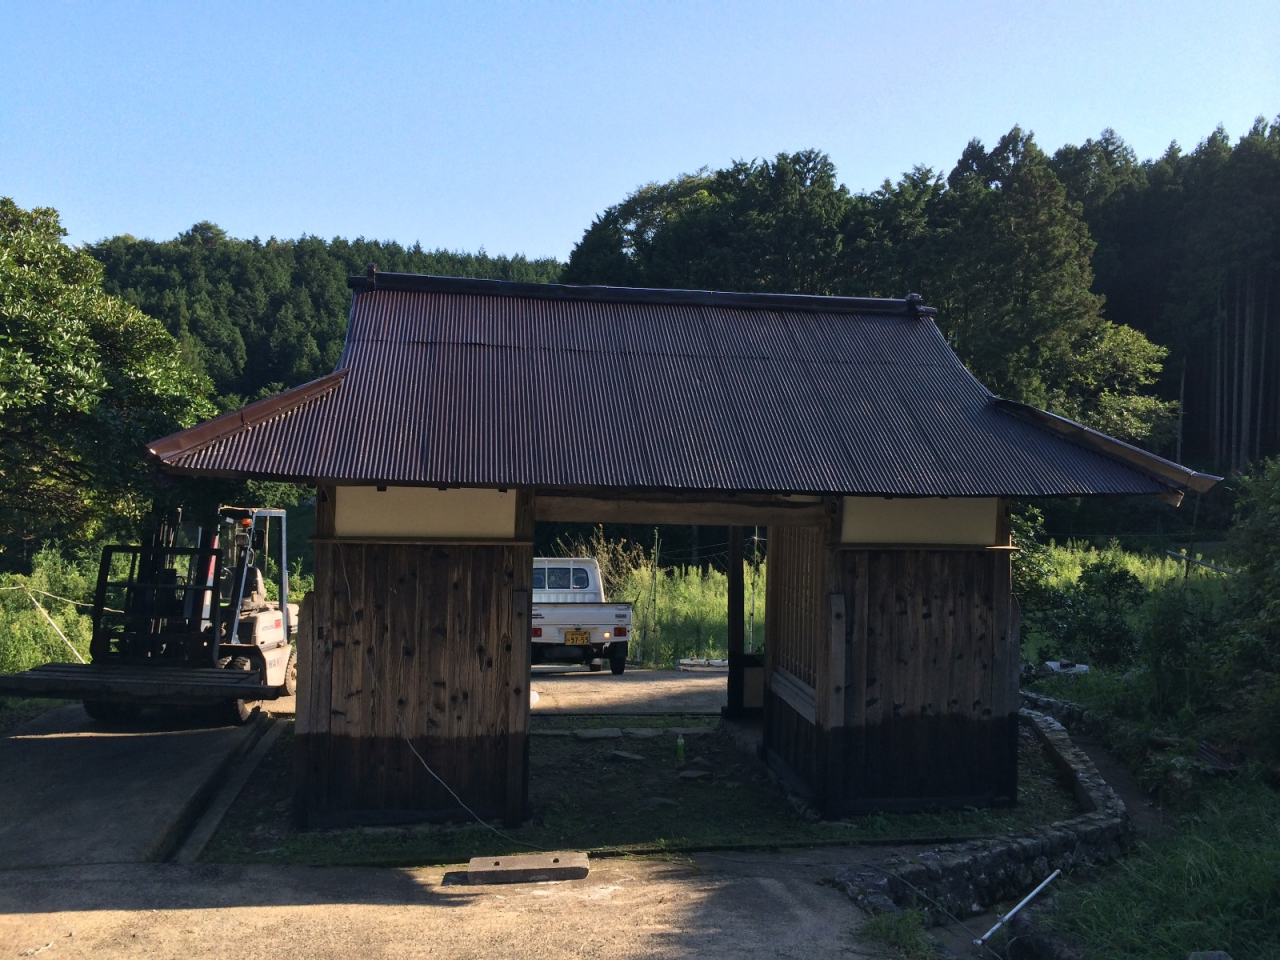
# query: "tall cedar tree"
1189,253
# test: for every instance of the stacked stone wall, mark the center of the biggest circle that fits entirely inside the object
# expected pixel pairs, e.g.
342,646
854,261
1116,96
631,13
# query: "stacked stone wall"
967,877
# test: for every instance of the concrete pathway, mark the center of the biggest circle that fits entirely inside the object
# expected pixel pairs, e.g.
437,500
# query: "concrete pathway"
638,691
753,907
564,689
76,792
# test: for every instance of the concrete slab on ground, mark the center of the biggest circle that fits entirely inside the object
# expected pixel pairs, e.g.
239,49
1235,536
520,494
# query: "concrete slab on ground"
564,689
569,690
77,792
758,908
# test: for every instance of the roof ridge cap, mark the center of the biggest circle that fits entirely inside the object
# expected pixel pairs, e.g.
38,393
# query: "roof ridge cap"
426,283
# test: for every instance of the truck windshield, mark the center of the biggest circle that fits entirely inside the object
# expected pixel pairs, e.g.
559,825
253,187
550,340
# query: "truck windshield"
561,578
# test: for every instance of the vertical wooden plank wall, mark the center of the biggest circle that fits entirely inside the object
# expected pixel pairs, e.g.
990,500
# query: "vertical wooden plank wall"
891,673
931,711
414,647
796,654
793,605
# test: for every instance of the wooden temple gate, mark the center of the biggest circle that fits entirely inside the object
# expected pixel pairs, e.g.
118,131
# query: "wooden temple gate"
889,675
445,431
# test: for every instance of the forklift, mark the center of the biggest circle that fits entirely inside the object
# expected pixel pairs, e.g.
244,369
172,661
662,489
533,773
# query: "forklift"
182,621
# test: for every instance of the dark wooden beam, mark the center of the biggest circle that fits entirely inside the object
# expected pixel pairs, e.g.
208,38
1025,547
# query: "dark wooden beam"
728,513
737,646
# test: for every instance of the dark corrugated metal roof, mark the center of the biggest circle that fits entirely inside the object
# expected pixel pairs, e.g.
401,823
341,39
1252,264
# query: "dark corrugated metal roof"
485,383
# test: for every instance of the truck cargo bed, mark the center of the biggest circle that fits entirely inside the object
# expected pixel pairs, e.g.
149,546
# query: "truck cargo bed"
137,684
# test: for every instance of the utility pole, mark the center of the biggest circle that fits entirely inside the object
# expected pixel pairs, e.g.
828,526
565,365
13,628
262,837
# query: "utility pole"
755,568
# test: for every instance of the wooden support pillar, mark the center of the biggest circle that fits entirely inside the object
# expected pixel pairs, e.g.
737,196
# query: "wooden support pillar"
737,647
414,655
830,711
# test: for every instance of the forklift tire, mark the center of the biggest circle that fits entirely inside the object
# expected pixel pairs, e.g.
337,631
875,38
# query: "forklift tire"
618,658
291,673
105,711
237,712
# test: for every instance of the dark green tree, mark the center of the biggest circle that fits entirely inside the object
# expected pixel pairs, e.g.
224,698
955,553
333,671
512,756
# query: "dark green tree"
85,380
998,246
763,225
1012,256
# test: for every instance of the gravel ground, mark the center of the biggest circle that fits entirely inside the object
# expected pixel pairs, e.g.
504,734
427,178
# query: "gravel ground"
747,907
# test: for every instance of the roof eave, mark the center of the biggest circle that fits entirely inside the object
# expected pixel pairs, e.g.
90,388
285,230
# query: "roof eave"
1178,478
211,431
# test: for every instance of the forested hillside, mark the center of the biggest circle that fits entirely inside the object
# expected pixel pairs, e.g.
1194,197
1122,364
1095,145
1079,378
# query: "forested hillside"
257,317
1137,296
1188,251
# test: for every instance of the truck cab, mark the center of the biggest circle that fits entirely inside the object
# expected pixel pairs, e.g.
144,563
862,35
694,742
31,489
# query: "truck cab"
572,620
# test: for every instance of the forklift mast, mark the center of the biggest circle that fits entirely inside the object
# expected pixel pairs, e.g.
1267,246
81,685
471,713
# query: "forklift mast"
248,541
177,603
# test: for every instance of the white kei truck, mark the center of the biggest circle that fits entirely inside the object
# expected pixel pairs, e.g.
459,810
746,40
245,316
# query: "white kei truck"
572,621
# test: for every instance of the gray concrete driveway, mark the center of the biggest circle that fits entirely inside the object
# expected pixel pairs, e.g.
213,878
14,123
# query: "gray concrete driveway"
752,908
75,792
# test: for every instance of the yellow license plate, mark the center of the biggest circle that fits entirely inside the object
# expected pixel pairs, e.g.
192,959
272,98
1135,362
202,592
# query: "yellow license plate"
577,636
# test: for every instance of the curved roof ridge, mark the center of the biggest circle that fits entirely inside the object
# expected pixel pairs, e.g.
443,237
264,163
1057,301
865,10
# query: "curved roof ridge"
425,283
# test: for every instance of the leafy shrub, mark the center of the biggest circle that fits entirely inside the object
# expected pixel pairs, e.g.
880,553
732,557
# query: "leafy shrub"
26,638
1090,620
1254,543
1179,629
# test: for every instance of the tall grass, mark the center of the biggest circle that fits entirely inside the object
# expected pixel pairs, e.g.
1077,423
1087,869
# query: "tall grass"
683,612
26,638
1096,605
1067,561
1214,885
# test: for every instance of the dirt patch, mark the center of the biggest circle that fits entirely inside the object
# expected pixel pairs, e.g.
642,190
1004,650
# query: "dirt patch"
620,789
638,691
669,909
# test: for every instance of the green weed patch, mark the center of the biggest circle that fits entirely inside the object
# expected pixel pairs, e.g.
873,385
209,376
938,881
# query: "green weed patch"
903,933
1213,885
584,797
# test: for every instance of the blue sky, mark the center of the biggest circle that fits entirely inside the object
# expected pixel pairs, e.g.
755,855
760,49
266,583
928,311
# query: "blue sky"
510,126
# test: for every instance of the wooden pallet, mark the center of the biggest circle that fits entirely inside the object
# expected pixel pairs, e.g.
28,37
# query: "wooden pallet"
137,684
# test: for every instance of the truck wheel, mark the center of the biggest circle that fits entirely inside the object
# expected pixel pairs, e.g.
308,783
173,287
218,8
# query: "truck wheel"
104,711
291,673
618,658
236,712
595,666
